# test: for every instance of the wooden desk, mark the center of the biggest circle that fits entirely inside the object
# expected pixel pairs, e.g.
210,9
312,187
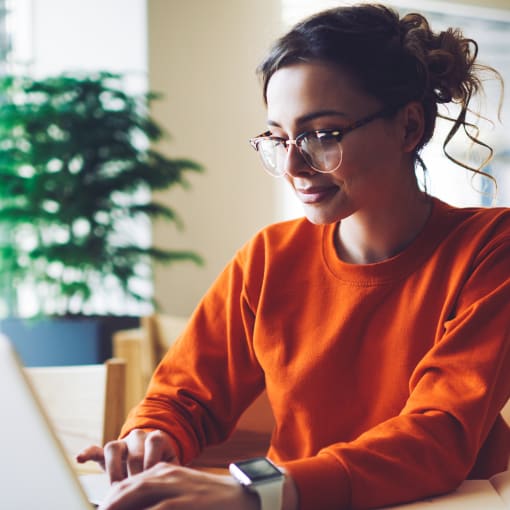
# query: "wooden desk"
242,444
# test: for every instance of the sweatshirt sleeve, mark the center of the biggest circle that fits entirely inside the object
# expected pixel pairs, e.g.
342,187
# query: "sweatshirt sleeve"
211,373
438,439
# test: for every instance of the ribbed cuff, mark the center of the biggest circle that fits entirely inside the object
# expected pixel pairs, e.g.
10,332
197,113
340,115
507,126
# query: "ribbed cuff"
321,481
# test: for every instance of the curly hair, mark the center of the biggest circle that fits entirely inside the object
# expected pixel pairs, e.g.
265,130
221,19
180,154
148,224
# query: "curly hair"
397,60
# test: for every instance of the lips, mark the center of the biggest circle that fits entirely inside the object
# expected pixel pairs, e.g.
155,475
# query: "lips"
315,194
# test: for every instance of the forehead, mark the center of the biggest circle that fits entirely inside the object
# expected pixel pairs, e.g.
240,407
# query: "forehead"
298,90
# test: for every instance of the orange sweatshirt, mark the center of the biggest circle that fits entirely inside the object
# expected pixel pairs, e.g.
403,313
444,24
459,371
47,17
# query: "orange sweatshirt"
386,380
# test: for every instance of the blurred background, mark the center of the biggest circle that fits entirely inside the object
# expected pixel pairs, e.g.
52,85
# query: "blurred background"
201,55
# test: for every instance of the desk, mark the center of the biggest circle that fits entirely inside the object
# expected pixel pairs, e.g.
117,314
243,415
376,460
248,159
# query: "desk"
242,444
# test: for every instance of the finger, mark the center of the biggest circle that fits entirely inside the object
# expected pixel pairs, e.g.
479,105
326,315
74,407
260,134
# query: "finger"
115,454
158,448
135,455
93,453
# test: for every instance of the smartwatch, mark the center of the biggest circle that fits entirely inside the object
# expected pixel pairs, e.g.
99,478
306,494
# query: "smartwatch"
261,476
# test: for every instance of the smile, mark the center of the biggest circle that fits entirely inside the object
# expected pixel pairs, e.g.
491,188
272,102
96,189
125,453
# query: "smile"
315,194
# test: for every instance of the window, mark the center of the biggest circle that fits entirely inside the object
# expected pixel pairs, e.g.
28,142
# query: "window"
15,38
54,36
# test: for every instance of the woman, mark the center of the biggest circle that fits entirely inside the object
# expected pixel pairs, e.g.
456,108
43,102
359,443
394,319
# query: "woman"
378,324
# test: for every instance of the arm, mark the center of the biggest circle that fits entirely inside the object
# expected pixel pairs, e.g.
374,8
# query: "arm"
209,376
199,390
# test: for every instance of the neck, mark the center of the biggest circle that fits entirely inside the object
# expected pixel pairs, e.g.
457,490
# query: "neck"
367,237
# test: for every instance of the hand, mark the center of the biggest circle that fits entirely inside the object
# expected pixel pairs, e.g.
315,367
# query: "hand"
138,451
168,486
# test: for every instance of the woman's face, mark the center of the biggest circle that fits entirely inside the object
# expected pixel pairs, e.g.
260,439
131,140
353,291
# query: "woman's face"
310,96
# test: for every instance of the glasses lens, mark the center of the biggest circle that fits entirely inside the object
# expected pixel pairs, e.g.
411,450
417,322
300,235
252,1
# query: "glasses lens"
321,151
273,155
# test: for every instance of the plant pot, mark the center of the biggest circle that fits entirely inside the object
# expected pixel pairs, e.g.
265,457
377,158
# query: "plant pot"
54,341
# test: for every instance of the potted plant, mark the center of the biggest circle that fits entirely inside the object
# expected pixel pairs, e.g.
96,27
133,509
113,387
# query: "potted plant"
77,172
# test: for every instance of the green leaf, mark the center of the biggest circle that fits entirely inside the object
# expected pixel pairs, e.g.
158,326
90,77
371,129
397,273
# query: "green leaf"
74,157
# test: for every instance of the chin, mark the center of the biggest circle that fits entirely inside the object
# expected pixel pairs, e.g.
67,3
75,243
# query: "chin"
321,219
327,212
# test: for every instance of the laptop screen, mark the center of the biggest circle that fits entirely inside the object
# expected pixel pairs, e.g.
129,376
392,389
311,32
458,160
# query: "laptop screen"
34,470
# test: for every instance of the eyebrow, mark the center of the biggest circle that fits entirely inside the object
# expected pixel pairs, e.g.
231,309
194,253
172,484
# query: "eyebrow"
311,116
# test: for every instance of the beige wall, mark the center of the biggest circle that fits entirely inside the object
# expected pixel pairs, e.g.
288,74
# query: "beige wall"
202,55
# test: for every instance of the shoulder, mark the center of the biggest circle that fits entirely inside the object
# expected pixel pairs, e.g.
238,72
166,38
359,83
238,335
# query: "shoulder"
472,235
486,222
276,246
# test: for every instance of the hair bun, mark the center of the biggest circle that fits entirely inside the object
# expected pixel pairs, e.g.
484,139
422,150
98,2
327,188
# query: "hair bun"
450,62
448,58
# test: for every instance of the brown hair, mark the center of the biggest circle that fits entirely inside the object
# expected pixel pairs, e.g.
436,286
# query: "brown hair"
396,60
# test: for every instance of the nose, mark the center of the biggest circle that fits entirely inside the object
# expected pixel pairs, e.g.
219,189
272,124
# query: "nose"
295,164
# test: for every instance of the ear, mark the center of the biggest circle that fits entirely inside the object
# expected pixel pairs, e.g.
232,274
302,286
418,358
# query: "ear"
412,124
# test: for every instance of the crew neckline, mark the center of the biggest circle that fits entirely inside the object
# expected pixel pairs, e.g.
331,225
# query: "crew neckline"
393,268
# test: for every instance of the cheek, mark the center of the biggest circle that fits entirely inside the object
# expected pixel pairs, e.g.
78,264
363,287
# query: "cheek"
370,156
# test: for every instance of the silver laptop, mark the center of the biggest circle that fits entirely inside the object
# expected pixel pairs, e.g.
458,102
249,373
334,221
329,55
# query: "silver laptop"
35,472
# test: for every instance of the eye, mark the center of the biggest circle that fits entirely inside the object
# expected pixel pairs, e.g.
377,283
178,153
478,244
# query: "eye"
275,136
277,140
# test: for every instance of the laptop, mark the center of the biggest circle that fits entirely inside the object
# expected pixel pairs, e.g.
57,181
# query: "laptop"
35,471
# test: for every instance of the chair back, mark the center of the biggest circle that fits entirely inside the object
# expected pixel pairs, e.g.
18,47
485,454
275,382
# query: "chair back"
84,403
143,348
162,331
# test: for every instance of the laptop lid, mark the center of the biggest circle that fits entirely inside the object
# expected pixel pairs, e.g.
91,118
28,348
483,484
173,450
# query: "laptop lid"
34,469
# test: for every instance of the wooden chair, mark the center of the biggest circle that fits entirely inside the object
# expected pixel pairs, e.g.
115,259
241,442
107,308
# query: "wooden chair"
84,403
143,348
131,345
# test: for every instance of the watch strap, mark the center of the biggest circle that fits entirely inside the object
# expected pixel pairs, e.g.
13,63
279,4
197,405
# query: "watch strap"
270,494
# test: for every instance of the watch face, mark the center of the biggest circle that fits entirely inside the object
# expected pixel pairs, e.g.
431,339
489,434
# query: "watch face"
258,469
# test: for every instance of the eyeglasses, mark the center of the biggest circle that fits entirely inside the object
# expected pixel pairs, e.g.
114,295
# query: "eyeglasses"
321,148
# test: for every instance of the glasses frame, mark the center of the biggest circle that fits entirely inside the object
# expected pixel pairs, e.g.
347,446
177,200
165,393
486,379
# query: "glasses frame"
338,134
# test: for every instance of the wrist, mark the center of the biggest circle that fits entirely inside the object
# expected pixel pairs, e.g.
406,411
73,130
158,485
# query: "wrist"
290,498
260,477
